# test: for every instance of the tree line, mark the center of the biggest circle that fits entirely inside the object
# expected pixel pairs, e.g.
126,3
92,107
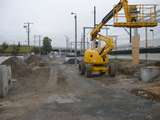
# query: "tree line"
24,49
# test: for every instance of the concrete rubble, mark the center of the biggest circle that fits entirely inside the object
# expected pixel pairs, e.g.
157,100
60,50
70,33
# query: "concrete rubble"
46,88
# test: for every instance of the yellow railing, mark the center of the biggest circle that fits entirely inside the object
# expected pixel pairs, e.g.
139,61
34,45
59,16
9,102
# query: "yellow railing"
141,15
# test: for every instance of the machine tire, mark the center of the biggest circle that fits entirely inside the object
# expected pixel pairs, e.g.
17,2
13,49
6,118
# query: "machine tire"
82,68
102,73
88,72
112,70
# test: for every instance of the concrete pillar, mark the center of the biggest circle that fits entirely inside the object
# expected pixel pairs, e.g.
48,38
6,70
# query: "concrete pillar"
135,47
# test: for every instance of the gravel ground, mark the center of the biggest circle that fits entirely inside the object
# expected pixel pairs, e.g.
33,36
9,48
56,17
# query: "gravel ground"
58,92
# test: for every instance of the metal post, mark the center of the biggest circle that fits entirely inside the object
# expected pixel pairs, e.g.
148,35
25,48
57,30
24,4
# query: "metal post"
84,37
94,42
94,16
70,46
34,40
28,34
116,46
152,31
75,17
146,43
81,45
67,44
130,35
153,35
39,44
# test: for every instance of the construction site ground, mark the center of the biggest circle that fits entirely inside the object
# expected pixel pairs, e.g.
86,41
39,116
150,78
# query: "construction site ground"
56,91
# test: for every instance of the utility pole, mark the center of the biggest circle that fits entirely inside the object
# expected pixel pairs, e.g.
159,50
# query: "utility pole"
94,42
146,38
34,40
27,26
39,38
75,18
67,44
94,16
84,38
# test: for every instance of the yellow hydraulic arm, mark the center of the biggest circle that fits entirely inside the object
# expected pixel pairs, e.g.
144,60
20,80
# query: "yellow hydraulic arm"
131,21
109,44
107,39
117,8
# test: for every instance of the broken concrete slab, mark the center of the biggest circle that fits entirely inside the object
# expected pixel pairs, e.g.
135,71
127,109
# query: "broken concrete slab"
5,79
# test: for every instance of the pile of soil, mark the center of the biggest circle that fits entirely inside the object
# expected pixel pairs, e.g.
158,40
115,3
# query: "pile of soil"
27,79
33,60
156,64
18,67
33,82
151,91
127,68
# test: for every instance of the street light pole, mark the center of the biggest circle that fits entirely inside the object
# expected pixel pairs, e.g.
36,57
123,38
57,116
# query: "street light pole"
75,18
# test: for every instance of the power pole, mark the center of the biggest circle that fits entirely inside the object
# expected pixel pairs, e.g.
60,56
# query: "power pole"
39,38
94,16
67,44
84,38
94,42
34,40
146,42
27,26
75,19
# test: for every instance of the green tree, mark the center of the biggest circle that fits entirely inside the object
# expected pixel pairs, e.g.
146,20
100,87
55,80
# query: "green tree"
47,47
15,49
36,50
4,46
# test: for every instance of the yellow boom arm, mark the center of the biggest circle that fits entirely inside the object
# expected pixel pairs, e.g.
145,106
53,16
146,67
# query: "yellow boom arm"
109,40
109,44
116,9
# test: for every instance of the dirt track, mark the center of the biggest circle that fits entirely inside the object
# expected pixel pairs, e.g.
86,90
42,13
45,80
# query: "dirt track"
58,92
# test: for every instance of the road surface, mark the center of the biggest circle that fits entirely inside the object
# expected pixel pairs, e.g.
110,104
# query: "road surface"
66,95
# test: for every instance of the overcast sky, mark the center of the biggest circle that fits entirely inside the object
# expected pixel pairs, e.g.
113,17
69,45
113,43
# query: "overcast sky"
51,17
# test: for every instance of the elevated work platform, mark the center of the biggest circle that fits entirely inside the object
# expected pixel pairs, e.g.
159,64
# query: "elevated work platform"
140,15
135,24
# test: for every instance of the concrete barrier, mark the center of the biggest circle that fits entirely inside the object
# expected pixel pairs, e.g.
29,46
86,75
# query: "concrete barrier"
5,79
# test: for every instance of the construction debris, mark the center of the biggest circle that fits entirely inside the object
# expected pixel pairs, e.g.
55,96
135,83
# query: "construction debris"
18,67
126,67
33,60
71,61
149,91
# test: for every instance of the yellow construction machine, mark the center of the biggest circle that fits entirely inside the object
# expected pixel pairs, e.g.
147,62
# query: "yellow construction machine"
96,59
